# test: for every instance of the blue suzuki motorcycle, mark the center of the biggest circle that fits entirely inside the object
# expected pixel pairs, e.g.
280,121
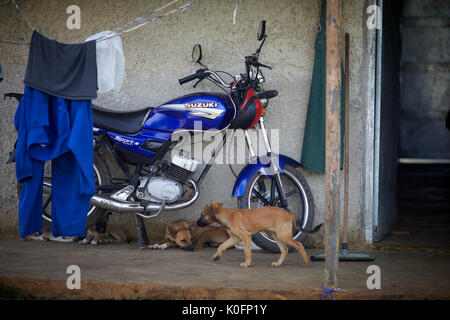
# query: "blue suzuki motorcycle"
153,179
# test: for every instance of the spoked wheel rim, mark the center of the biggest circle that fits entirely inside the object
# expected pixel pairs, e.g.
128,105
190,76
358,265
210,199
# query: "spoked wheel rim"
295,193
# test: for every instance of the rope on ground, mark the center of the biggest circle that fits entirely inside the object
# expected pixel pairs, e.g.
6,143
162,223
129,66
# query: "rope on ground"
329,291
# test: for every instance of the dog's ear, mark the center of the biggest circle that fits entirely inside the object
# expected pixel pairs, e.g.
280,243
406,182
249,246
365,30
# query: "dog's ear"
172,231
215,206
192,227
208,210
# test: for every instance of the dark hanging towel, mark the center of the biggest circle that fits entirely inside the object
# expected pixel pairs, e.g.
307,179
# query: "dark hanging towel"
313,150
67,71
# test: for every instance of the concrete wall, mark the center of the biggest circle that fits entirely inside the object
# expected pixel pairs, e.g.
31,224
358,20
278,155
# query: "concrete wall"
157,55
425,79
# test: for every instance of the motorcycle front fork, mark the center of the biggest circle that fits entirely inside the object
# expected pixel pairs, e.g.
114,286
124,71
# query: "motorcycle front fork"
274,164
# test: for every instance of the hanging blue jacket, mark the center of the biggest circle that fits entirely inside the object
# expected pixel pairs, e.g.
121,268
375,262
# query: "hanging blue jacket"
57,129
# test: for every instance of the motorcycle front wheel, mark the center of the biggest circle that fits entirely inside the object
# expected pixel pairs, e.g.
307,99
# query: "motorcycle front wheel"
261,191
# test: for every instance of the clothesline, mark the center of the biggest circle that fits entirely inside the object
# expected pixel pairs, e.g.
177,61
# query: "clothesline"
23,15
144,21
141,20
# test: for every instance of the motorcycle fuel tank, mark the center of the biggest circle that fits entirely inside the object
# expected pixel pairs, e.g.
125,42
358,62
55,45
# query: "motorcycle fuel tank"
193,112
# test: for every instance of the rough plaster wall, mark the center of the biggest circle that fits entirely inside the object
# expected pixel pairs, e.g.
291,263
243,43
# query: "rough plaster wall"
354,22
158,55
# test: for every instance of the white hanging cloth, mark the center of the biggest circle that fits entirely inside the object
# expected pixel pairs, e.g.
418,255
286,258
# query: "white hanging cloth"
110,61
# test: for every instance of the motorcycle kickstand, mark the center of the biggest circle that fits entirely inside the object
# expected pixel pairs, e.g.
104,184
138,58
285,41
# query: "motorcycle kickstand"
141,232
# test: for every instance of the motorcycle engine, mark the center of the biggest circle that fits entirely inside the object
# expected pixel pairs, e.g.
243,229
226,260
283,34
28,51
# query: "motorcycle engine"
170,187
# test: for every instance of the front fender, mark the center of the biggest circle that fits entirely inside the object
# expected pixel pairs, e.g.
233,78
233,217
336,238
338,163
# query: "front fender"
262,165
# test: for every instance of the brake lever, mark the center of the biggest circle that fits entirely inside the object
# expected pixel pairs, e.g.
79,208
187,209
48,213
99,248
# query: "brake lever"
195,84
264,66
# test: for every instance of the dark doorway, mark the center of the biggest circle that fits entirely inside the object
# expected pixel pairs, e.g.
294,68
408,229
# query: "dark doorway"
423,172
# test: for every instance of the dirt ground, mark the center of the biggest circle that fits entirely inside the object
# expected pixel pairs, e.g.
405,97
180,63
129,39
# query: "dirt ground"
37,269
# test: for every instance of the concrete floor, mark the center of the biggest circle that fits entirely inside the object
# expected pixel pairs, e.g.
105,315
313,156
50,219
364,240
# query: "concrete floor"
37,269
414,262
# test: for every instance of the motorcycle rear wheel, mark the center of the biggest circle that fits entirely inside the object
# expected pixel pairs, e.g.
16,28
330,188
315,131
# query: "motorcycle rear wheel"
300,202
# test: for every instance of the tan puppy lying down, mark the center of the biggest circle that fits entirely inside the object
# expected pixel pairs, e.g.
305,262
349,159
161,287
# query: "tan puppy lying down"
185,234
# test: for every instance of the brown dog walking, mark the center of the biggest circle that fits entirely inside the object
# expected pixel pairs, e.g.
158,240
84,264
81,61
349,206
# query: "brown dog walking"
242,223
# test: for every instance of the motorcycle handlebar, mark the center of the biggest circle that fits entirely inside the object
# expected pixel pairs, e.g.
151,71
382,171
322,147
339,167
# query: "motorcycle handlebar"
188,78
269,94
202,74
11,95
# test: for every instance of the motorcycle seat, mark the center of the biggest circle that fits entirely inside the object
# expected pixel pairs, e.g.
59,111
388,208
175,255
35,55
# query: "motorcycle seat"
120,121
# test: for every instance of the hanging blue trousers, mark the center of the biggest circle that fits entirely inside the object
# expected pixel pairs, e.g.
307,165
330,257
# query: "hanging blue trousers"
60,130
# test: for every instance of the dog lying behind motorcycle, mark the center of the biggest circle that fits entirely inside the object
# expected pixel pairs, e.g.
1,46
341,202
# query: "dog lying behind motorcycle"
242,223
185,234
102,233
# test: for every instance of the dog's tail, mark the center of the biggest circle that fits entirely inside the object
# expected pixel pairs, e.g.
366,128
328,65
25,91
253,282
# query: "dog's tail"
317,228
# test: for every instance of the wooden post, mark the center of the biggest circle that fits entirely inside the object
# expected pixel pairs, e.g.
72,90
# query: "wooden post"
332,141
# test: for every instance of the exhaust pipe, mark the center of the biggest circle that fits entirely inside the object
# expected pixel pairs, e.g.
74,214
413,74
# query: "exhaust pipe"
108,203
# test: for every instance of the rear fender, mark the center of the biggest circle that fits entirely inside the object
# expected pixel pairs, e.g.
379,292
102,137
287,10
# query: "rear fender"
262,165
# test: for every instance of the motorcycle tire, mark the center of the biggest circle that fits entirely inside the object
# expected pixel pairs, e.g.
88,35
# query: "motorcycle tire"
102,176
302,205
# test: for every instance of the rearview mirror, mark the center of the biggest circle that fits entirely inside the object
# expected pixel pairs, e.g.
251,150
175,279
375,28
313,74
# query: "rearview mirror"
197,53
262,30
